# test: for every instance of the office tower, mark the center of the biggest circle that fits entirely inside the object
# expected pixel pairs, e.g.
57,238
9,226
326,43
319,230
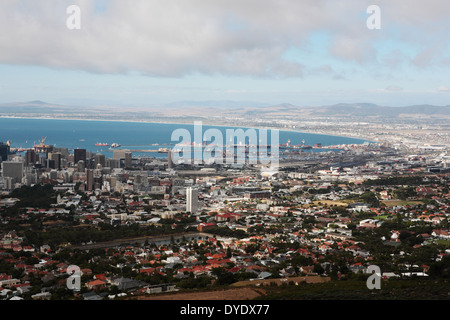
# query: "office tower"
99,159
125,155
43,162
63,151
13,169
169,160
191,200
113,163
4,152
119,154
89,179
31,157
113,182
79,154
56,157
128,158
50,164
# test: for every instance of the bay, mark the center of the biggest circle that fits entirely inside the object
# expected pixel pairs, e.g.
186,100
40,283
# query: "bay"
85,134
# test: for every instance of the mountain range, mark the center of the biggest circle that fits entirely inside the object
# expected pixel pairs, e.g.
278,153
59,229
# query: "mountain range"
223,108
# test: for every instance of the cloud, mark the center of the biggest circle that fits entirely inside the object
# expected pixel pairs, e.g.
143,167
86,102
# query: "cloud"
164,38
443,89
174,38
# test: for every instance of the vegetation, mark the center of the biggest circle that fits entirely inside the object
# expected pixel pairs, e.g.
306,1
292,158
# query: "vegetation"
356,289
395,181
38,196
104,232
227,232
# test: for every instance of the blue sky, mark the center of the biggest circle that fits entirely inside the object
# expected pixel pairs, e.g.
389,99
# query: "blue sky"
152,52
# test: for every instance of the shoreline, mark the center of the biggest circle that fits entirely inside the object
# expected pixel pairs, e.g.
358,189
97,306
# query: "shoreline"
364,139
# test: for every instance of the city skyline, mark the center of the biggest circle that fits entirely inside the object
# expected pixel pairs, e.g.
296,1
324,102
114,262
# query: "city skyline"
154,53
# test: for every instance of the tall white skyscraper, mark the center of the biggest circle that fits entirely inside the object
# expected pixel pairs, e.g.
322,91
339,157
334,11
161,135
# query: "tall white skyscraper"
191,200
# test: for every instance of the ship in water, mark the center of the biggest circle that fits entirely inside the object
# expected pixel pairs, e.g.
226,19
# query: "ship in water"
302,146
102,144
115,145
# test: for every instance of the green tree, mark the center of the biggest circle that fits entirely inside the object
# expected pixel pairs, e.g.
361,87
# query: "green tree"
224,277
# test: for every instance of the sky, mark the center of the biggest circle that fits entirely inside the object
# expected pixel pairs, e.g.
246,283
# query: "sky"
154,52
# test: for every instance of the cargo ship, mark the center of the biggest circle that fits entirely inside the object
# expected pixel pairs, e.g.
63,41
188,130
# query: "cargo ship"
102,144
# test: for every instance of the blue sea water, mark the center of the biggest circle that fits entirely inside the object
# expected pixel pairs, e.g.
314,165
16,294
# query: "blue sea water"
84,134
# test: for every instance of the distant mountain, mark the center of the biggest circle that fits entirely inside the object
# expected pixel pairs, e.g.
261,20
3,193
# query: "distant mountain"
369,109
37,107
224,108
31,107
38,102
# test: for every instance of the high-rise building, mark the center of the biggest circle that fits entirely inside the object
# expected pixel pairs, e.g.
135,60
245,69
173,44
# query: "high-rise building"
191,200
63,151
79,154
113,163
113,182
119,154
99,159
55,156
125,155
89,180
169,160
31,157
128,159
50,164
4,152
13,169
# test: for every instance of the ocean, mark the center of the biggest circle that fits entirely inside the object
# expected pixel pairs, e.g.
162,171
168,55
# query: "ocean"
85,134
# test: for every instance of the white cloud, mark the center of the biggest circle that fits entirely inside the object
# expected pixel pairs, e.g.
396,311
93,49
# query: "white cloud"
175,38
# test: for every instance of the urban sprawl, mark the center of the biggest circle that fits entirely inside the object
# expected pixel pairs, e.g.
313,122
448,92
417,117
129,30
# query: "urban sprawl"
146,226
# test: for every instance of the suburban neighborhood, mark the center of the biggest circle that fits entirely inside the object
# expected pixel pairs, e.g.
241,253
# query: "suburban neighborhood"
135,232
